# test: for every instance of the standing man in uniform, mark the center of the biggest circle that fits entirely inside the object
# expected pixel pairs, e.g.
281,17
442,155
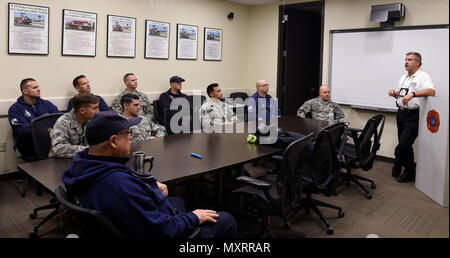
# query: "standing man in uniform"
416,83
68,134
28,107
131,84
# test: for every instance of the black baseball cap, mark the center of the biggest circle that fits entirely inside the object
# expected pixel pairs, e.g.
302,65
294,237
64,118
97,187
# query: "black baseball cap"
176,78
105,124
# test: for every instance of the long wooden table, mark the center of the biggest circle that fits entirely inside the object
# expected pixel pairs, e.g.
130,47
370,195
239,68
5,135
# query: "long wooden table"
173,161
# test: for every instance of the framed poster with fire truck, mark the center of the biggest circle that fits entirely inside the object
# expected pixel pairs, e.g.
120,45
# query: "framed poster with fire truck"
121,39
79,33
157,36
212,48
28,29
187,37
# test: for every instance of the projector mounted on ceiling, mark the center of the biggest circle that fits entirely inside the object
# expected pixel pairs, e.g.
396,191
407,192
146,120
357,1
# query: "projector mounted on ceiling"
387,14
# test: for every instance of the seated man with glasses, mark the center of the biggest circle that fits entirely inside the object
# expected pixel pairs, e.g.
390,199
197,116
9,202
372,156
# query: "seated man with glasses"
101,180
322,108
262,101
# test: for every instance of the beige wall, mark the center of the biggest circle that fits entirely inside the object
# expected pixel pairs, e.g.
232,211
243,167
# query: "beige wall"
339,14
55,72
249,51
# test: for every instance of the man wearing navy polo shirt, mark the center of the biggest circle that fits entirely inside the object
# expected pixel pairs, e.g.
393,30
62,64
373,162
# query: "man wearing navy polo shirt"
28,107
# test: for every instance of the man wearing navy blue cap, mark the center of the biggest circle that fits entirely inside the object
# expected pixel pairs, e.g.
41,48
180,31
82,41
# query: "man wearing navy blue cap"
165,99
100,179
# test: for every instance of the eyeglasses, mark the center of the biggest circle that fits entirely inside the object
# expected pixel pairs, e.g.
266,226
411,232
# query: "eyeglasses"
129,133
264,85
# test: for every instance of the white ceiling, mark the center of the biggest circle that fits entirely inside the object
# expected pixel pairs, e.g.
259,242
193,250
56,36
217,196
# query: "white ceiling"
254,2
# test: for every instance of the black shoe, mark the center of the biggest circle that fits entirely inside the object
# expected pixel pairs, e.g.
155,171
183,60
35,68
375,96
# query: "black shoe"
407,177
396,170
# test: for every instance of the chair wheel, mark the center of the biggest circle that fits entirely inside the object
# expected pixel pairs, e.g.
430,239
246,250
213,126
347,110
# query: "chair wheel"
33,235
33,215
369,196
341,214
373,186
330,230
287,225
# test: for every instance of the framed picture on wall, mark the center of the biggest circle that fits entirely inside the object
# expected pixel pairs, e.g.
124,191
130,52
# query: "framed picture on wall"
28,29
79,33
212,48
187,40
157,35
121,38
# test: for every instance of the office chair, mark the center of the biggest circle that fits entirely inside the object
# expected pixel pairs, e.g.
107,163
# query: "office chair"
195,121
362,153
91,223
40,132
25,181
158,116
321,170
278,194
40,136
242,95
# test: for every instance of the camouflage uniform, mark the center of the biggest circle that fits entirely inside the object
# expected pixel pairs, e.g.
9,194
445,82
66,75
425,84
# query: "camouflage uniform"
68,137
322,110
145,129
215,112
146,108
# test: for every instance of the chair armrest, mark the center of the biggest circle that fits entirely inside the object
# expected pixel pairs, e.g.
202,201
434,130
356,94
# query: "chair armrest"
354,133
254,182
195,233
277,157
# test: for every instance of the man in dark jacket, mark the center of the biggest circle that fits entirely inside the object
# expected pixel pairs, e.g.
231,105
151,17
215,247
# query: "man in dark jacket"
166,98
28,107
100,179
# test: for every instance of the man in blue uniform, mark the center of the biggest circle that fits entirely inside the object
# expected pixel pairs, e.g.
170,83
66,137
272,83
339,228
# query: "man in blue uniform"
100,179
28,107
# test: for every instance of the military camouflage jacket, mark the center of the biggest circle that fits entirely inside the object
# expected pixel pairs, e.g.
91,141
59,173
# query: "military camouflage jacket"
322,110
145,129
146,108
214,113
68,136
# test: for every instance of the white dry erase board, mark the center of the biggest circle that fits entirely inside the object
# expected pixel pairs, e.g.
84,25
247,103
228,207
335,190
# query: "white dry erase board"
366,63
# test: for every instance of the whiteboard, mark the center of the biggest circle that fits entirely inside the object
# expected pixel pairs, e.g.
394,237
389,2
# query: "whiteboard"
366,64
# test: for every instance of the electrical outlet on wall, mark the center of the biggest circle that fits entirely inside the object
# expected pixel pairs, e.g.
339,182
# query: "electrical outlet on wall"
2,146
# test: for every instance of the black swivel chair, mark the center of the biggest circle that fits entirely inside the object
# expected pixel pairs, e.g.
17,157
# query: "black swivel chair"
196,102
158,116
91,223
242,95
41,142
40,132
362,153
277,195
321,170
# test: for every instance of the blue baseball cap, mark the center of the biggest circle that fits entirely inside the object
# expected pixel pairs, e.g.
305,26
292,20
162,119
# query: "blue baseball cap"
105,124
176,78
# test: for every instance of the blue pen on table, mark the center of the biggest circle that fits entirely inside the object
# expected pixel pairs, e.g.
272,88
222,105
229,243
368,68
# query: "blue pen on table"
196,155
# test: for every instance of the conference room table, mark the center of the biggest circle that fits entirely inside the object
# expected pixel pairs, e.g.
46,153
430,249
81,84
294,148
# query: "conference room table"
172,154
